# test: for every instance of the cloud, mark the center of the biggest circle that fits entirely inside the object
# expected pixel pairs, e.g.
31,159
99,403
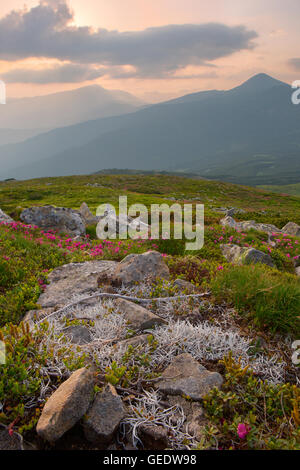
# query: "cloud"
294,63
67,73
47,30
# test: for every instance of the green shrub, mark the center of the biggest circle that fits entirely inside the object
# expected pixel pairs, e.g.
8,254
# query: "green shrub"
272,298
269,414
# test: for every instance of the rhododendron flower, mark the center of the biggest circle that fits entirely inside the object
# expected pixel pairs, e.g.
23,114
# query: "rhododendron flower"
219,268
242,430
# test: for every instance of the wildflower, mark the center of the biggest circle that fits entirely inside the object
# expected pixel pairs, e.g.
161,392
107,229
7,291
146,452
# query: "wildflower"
220,267
242,430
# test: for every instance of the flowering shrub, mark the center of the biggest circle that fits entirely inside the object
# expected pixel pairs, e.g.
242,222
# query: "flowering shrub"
248,413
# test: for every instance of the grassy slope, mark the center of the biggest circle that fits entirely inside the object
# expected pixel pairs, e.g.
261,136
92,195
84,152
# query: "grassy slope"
291,189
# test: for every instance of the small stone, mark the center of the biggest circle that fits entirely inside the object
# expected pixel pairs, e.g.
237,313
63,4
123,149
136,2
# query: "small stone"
78,334
185,286
7,442
87,215
66,405
103,417
186,377
153,436
138,318
243,255
139,340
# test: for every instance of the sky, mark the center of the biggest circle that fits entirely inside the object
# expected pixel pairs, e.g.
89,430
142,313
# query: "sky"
155,49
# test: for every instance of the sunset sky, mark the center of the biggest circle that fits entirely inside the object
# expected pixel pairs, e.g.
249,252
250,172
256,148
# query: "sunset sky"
155,49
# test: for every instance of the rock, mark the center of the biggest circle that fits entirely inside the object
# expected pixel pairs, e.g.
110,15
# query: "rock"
185,376
248,225
297,270
292,229
103,417
185,286
135,341
4,218
120,224
7,442
138,318
36,315
59,219
87,216
153,436
66,406
80,279
78,334
243,255
195,416
140,268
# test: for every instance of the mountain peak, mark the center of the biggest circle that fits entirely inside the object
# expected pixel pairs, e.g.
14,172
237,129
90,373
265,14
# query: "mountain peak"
259,82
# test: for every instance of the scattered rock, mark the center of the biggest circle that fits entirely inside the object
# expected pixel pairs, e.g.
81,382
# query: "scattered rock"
185,376
80,279
120,224
59,219
195,416
7,442
66,406
78,334
139,318
4,217
153,436
185,286
292,229
228,221
135,341
87,216
103,417
243,255
140,268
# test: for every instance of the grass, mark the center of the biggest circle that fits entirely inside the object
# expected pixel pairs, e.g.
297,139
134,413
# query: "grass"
270,298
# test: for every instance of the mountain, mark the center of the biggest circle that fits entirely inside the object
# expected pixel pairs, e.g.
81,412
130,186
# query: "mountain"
249,134
66,108
12,136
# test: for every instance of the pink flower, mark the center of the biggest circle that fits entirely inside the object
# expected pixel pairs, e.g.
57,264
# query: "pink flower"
219,268
242,430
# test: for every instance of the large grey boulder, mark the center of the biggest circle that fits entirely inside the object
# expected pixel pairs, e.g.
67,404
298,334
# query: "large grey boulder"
140,268
60,219
138,318
4,217
246,225
103,417
74,279
292,229
186,377
121,224
66,406
243,255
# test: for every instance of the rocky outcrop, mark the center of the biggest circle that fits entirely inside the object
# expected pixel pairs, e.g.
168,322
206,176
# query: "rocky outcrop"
243,255
137,317
59,219
186,377
244,226
80,279
138,268
66,406
292,229
4,218
103,417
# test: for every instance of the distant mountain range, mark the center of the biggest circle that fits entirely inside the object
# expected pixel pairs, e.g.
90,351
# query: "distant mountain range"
250,134
25,117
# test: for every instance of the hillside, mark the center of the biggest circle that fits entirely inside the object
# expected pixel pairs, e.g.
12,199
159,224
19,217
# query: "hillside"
90,336
249,134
